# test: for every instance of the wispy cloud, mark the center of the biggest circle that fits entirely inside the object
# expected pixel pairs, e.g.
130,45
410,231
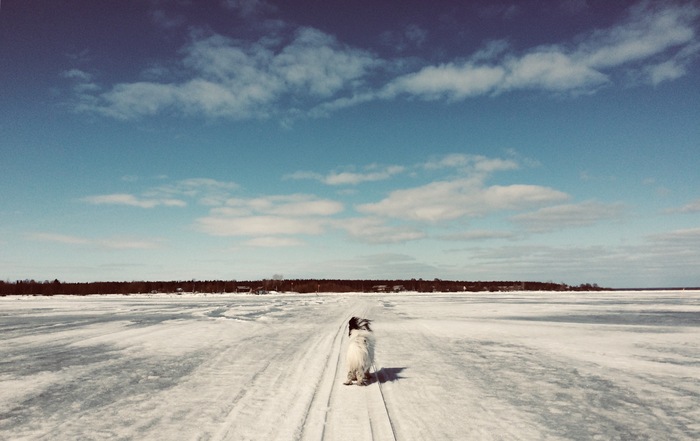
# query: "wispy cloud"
478,235
131,200
568,216
471,164
109,243
375,230
690,207
371,174
205,191
273,242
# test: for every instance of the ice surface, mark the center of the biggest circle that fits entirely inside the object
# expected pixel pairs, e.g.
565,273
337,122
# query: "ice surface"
483,366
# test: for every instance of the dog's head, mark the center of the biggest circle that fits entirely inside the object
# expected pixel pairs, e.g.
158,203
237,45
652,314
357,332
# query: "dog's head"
359,323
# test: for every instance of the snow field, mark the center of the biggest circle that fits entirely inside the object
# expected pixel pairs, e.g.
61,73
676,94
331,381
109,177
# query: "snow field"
487,366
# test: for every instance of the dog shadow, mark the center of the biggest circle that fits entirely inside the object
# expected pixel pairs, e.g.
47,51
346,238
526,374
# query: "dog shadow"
387,375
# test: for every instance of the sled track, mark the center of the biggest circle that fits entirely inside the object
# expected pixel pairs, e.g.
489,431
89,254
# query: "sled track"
321,402
333,402
384,408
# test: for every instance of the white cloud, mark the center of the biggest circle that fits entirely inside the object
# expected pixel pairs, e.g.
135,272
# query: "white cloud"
206,191
471,164
453,81
313,74
448,200
649,30
568,216
131,200
234,79
273,242
259,225
286,205
270,216
371,174
375,230
649,34
317,64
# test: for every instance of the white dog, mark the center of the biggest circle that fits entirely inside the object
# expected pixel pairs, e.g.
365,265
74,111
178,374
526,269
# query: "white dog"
360,351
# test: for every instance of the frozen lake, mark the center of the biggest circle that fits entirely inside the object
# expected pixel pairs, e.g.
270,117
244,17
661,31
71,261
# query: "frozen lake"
481,366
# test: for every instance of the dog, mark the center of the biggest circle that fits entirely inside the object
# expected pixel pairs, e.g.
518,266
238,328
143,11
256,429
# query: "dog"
360,351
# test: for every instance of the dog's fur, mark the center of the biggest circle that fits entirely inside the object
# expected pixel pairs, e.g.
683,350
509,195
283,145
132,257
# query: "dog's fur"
360,351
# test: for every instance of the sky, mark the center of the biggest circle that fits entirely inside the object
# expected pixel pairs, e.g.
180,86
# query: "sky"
250,139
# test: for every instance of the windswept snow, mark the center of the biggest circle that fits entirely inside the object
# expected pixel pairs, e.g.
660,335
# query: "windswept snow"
486,366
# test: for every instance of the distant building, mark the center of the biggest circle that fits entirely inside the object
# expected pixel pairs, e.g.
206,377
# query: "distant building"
398,288
380,288
242,288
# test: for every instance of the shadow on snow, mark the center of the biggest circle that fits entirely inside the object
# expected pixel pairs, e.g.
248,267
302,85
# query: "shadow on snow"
386,375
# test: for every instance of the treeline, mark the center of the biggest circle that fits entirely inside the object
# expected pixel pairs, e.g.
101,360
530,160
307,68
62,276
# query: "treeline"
56,287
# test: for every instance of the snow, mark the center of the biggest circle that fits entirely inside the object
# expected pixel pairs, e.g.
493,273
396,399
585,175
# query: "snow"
486,366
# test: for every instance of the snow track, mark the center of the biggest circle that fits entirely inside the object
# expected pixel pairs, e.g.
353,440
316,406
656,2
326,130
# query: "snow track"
340,412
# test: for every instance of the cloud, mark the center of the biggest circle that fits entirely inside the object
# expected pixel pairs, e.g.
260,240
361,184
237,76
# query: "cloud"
650,30
657,42
269,216
259,225
239,80
206,191
471,164
273,242
450,80
691,207
131,200
568,216
375,230
683,238
478,235
466,197
311,73
372,174
110,243
285,205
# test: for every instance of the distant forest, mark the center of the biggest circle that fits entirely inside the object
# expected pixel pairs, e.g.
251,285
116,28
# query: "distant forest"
56,287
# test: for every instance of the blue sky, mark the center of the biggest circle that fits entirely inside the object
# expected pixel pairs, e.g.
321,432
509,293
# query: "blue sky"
241,139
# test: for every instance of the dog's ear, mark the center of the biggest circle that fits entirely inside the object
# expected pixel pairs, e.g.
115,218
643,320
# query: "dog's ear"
352,324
